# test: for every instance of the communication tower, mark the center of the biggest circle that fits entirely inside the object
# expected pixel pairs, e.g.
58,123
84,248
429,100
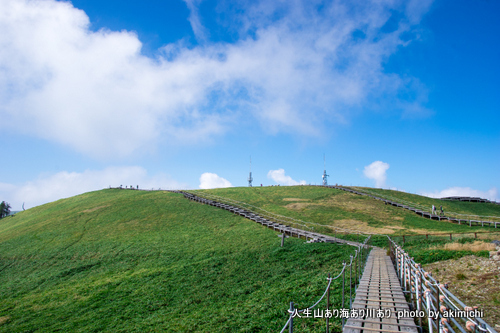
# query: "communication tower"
325,181
250,179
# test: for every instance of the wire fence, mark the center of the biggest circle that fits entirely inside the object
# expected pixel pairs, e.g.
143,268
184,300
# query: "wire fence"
455,236
433,302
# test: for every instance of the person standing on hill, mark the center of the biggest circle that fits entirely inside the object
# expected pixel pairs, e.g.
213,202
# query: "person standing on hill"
442,212
433,209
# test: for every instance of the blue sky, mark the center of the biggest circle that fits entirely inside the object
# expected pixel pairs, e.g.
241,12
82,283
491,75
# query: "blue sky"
180,94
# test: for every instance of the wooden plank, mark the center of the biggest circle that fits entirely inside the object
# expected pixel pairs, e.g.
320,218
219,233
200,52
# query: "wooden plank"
371,329
382,301
379,322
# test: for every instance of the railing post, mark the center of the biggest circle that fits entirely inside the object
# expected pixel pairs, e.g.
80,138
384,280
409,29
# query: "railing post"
350,283
343,287
328,305
402,264
407,272
361,260
396,255
403,268
412,284
356,270
290,326
419,295
428,300
438,306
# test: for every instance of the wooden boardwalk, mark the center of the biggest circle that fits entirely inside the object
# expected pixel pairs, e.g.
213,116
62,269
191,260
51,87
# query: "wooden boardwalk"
379,291
285,230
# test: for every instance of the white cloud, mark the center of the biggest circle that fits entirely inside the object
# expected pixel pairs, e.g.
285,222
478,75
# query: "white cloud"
416,8
212,180
194,19
280,178
377,172
491,194
96,93
66,184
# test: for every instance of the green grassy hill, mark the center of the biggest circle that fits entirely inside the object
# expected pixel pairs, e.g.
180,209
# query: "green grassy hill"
450,207
327,208
128,261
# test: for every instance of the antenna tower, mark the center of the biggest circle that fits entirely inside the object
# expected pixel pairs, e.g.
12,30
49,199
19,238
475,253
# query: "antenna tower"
325,181
250,179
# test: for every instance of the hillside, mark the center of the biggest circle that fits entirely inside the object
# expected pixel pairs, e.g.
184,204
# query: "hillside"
449,207
129,261
327,208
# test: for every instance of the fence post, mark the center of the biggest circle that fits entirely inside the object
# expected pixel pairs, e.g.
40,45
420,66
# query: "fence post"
401,266
419,295
328,305
438,306
405,268
413,284
356,270
428,301
290,326
396,255
350,283
410,288
361,261
343,286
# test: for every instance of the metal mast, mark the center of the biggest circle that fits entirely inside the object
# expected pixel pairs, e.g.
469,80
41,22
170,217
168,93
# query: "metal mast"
250,179
325,181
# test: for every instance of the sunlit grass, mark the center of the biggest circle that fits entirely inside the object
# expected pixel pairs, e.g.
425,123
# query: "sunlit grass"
419,201
125,261
335,208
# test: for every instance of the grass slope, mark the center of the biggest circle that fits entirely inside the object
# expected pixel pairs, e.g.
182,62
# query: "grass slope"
129,261
331,207
460,207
